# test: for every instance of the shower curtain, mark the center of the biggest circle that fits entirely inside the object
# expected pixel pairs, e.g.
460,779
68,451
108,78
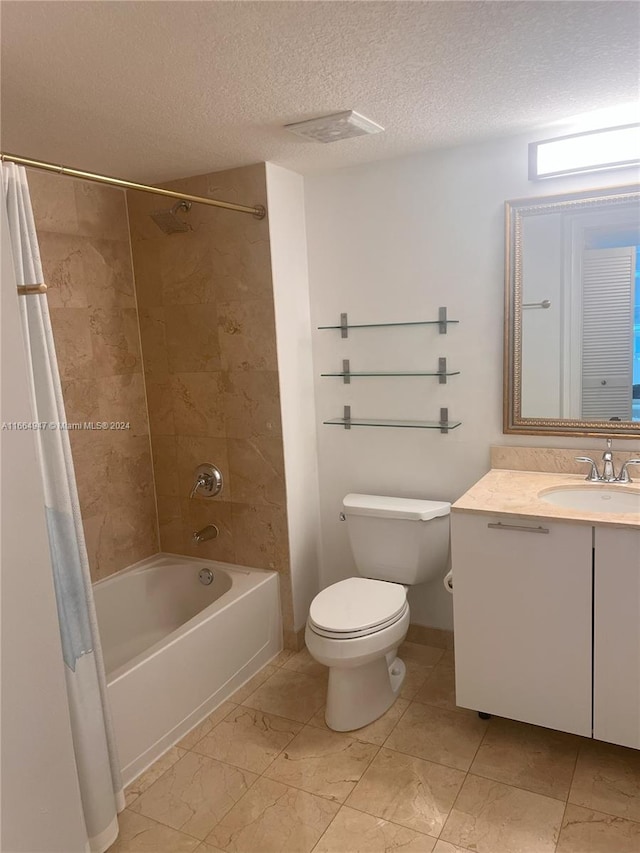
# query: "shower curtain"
94,744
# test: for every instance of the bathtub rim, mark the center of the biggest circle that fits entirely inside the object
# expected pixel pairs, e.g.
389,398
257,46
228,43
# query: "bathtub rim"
246,582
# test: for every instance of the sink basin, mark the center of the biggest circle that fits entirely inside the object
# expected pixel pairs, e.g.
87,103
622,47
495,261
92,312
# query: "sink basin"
593,498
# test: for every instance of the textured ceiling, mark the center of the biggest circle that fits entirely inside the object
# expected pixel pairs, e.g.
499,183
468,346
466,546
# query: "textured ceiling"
155,90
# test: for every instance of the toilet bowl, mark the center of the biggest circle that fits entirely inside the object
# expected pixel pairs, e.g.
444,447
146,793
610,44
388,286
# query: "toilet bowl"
355,626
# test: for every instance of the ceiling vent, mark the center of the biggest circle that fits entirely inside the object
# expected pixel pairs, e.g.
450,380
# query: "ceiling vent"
335,127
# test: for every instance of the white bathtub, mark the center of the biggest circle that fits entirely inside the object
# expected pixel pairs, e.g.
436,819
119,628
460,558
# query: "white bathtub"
174,648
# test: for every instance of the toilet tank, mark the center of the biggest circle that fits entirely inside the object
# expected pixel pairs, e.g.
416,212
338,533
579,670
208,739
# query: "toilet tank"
398,539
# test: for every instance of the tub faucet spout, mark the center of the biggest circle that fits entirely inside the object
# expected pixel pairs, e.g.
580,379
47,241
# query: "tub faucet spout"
208,532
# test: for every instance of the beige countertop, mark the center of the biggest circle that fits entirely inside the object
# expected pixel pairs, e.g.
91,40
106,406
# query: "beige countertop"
515,493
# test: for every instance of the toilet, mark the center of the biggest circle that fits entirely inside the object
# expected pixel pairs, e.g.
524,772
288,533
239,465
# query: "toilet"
356,625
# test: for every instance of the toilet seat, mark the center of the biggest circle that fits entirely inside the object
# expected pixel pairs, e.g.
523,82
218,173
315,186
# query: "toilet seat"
357,607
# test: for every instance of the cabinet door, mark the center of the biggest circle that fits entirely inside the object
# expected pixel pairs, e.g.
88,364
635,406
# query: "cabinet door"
616,663
522,601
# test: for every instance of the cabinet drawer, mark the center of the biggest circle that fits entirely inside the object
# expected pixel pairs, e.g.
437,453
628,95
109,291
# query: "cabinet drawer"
522,614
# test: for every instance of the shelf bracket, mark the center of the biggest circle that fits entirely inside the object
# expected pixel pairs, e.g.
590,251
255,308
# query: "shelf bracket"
346,370
444,421
442,370
344,326
347,417
442,321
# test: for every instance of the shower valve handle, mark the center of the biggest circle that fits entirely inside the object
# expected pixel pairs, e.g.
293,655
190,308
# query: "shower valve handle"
208,482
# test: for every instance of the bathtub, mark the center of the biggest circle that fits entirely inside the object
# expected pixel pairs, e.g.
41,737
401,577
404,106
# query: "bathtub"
174,649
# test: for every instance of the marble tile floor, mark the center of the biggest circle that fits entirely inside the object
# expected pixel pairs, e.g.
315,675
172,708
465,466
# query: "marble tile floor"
263,774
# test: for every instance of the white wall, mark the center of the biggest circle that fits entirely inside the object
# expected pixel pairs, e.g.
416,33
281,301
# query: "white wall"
542,278
393,241
41,811
285,193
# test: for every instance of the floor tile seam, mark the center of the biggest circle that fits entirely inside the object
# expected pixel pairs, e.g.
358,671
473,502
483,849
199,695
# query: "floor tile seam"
429,761
159,777
291,672
218,761
387,820
456,710
282,716
257,711
369,763
214,726
232,766
422,758
564,813
395,725
606,814
352,733
475,773
325,830
348,734
168,826
432,666
237,766
261,773
362,810
204,840
364,743
566,806
316,793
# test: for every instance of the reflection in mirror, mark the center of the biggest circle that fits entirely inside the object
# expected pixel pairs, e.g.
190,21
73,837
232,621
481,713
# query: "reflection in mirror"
574,304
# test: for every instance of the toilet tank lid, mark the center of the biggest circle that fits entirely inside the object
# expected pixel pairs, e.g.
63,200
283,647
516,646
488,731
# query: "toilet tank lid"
381,506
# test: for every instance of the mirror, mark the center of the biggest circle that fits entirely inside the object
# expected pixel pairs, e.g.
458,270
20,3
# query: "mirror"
572,314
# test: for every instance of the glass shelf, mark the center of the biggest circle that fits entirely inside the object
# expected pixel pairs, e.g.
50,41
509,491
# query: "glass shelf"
346,373
395,373
444,424
442,322
380,325
380,422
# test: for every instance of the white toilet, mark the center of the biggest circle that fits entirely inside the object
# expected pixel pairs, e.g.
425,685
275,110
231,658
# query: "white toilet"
355,626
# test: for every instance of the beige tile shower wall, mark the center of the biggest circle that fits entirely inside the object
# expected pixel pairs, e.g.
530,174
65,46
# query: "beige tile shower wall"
205,299
86,255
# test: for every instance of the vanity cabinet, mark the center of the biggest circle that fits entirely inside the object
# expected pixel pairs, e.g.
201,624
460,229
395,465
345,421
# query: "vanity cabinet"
523,619
616,636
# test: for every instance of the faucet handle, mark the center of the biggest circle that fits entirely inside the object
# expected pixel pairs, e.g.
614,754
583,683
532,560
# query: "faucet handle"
208,481
593,476
623,476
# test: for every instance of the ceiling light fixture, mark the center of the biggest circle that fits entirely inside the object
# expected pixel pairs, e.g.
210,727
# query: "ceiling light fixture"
591,151
333,128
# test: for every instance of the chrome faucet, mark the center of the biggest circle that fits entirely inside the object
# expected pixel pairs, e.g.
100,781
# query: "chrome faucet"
608,470
623,476
593,476
208,532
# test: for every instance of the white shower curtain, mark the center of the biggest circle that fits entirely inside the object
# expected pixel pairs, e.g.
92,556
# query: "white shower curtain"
94,744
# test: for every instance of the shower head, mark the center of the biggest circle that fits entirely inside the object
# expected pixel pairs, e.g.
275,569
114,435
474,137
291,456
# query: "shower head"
168,221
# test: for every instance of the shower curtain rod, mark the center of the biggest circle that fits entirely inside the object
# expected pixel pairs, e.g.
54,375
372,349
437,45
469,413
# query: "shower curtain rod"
258,211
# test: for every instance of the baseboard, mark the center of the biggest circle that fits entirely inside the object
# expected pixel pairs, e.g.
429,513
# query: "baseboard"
293,640
439,638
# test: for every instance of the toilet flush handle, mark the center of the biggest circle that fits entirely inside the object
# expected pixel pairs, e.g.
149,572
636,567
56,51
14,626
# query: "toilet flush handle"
342,517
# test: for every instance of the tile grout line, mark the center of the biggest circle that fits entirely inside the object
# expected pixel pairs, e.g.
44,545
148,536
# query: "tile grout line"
165,826
380,747
410,755
387,820
466,776
564,813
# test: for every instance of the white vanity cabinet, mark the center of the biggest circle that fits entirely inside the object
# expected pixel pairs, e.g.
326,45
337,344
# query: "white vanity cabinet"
523,619
616,636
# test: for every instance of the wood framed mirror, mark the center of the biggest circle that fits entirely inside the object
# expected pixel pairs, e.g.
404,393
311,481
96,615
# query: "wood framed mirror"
572,314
